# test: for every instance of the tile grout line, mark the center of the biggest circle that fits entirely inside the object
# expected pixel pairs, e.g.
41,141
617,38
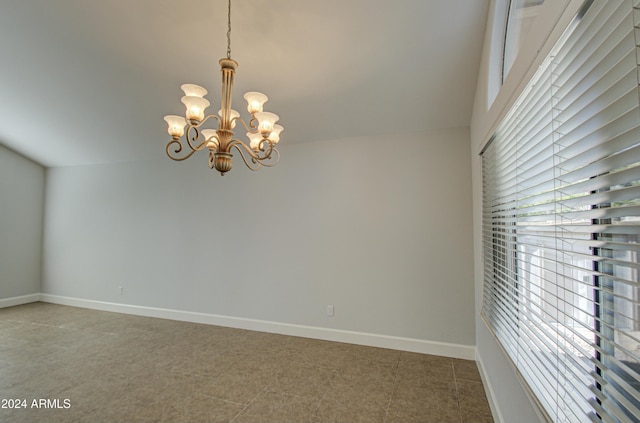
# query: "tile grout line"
393,389
455,382
265,389
315,411
249,403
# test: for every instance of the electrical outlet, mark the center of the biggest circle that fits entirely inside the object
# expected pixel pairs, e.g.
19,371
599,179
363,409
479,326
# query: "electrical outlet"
330,310
121,290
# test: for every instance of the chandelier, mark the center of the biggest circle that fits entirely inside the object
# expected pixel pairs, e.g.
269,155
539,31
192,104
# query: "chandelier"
262,132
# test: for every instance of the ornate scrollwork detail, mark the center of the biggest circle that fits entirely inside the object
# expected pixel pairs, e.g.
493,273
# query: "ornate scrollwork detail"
257,160
178,149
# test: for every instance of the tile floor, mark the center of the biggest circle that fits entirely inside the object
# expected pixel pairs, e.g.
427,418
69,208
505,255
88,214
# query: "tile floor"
118,368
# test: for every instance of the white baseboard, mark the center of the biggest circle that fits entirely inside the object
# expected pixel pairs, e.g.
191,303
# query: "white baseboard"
23,299
467,352
491,397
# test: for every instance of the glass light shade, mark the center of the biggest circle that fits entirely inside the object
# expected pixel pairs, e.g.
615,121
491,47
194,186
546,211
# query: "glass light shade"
193,90
254,140
210,136
176,125
233,115
266,120
255,101
195,107
274,137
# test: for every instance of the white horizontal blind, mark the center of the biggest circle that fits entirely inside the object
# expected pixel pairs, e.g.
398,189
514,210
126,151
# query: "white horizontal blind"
561,222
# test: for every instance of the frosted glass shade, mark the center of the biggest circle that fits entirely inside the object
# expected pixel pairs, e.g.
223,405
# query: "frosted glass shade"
255,101
266,120
210,136
274,137
193,90
195,107
176,125
233,115
254,140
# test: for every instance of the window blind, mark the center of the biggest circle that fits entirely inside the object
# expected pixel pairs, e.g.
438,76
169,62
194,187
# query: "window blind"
561,222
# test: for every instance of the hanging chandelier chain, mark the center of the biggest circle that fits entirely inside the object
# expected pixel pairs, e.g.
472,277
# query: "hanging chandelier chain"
229,32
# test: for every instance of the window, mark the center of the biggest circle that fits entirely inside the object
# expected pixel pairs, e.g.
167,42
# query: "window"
561,222
520,17
512,20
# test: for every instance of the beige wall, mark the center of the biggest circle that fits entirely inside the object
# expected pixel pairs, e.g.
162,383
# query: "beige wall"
21,215
378,227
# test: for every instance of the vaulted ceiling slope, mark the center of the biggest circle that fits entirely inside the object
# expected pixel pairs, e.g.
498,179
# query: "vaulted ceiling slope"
85,82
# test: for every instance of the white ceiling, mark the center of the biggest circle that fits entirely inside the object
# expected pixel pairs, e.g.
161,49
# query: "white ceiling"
87,81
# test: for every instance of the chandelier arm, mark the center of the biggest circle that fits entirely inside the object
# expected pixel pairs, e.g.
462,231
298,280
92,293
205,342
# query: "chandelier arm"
244,124
275,157
267,152
197,147
252,124
203,144
238,143
177,150
206,118
255,158
195,138
255,163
